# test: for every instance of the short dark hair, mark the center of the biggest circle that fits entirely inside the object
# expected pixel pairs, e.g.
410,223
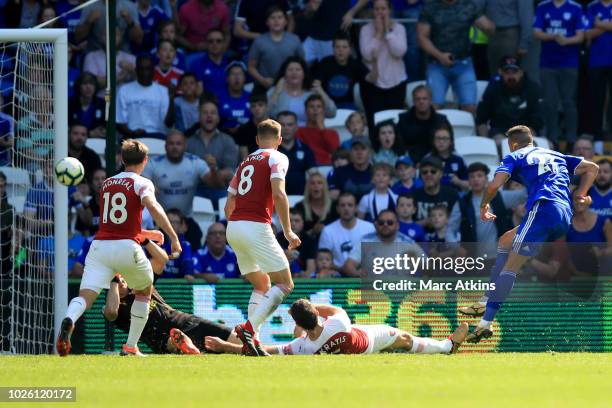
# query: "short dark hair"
478,166
341,35
440,207
187,75
215,30
604,160
164,24
420,88
287,113
84,78
160,42
257,97
133,152
386,211
178,213
346,194
407,197
304,314
142,58
268,128
341,154
274,9
208,97
520,135
314,97
386,167
296,211
325,251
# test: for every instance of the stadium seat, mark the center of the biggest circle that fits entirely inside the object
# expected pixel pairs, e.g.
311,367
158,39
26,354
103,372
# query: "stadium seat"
478,149
387,114
97,145
481,86
221,207
18,202
541,142
203,213
294,199
337,123
505,149
17,180
324,170
357,97
462,122
157,147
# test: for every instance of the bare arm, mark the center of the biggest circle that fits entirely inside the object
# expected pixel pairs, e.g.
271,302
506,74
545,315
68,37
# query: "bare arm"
326,310
241,32
159,257
351,268
161,219
498,181
424,40
230,205
281,203
542,36
587,170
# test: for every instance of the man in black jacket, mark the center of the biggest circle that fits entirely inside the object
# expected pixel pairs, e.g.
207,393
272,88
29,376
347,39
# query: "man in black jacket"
513,100
416,126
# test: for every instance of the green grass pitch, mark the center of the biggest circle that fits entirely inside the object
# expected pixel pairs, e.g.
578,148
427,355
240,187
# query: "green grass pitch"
385,380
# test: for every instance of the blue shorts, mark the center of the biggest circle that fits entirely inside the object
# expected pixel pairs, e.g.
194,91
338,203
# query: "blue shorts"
547,221
460,76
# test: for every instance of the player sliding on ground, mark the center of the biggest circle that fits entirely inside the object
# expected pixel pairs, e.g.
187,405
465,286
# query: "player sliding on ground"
116,246
336,335
256,189
546,174
167,330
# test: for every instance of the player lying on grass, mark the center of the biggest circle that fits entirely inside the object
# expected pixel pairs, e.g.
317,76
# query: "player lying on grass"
167,330
336,335
546,174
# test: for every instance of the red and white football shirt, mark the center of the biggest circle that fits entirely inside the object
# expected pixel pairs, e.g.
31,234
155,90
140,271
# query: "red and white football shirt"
121,206
170,77
252,188
337,337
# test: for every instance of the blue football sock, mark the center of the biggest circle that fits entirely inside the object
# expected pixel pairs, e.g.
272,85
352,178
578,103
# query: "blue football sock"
500,261
503,287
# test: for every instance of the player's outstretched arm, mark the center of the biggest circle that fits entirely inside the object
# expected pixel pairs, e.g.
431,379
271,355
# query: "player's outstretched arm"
159,257
111,309
161,219
498,181
587,170
281,203
326,310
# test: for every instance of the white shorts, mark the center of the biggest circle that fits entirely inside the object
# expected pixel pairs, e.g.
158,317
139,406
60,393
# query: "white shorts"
107,258
256,247
380,336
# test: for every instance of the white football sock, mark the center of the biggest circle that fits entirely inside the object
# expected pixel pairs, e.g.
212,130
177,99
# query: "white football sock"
254,301
139,313
485,323
76,308
267,305
425,345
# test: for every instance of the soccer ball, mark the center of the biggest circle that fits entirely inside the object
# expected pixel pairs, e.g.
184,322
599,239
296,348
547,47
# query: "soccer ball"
69,171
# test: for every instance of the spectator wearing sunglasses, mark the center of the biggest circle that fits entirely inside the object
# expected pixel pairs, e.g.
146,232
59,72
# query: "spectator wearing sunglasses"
432,192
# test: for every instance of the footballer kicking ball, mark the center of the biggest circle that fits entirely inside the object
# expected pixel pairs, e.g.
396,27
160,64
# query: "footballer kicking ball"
69,171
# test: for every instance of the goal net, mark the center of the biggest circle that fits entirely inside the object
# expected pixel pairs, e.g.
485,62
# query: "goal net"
34,209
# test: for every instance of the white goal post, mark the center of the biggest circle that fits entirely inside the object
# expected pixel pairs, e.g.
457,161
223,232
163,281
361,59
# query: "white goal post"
57,41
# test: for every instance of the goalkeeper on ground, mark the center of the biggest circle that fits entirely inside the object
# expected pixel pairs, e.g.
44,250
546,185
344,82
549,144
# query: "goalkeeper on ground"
167,330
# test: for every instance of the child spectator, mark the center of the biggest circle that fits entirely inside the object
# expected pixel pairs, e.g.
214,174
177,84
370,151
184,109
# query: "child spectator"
270,50
167,31
381,197
406,172
87,108
234,101
406,208
302,259
186,105
389,145
455,171
165,73
325,265
438,219
356,125
182,267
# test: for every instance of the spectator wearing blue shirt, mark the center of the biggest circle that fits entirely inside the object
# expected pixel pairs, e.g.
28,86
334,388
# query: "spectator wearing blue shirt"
455,171
560,25
167,31
599,13
355,177
601,192
181,267
149,17
210,67
38,207
86,107
406,209
406,173
216,260
234,100
301,158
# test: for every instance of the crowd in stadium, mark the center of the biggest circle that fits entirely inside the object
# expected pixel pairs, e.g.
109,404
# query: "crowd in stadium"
380,149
